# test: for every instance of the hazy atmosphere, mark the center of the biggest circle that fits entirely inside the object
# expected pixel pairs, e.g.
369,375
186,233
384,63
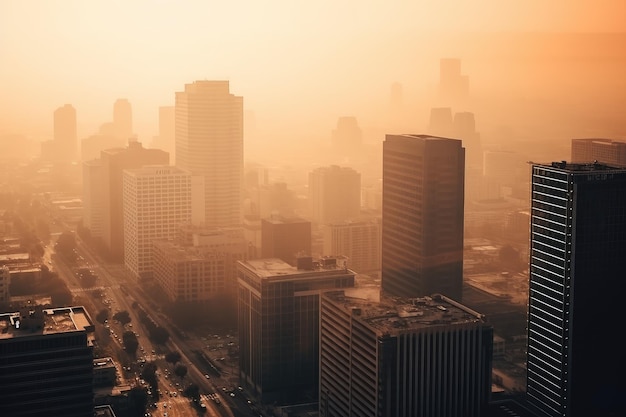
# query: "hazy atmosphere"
301,65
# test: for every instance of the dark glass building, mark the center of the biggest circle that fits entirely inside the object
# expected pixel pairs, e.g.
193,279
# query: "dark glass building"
577,262
279,325
422,227
46,363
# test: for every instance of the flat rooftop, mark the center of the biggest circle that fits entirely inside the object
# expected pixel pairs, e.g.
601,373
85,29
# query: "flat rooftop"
581,166
272,268
45,321
395,315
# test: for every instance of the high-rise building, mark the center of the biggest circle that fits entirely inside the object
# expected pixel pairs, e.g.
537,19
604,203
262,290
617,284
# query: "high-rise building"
605,151
423,197
402,357
285,238
441,122
347,137
577,247
334,194
156,202
46,363
65,137
209,144
278,325
123,119
358,240
93,209
453,86
165,139
114,162
465,129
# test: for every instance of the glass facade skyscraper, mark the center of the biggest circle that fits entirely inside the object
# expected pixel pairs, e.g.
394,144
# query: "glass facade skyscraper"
577,261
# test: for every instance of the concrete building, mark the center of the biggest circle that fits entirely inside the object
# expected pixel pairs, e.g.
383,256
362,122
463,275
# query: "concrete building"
157,201
104,372
359,240
577,247
93,210
5,281
114,162
285,238
123,119
200,264
422,222
334,194
279,322
606,151
402,357
209,144
46,363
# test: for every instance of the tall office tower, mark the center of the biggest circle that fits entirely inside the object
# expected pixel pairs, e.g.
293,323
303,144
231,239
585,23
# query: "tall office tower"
402,357
285,238
453,86
347,137
278,324
464,126
209,143
441,122
578,241
334,194
123,119
358,240
65,137
423,196
46,363
114,162
165,139
156,202
605,151
92,197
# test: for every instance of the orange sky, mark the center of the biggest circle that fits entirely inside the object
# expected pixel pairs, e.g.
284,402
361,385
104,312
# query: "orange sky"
276,53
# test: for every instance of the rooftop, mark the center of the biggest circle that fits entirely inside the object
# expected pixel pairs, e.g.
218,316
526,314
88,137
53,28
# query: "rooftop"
44,321
582,167
396,315
275,268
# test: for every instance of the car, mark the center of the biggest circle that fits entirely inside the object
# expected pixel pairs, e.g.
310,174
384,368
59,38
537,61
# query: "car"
207,376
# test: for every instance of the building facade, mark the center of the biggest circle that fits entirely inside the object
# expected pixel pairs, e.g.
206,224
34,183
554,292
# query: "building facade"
422,221
93,209
285,238
46,363
114,162
359,240
157,201
578,241
401,357
279,325
606,151
334,194
209,144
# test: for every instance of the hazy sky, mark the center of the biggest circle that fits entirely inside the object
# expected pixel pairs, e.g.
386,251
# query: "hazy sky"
282,56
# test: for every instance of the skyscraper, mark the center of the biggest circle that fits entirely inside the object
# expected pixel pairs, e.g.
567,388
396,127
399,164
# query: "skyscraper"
209,144
423,196
278,324
402,357
453,86
285,238
65,136
114,162
578,241
123,119
334,194
157,201
46,363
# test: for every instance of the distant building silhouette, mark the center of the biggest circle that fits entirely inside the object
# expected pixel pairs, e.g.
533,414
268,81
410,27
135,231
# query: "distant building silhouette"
441,122
423,198
453,86
347,137
428,356
606,151
279,325
123,119
93,203
209,144
285,238
465,129
577,247
156,203
167,128
334,194
63,146
47,363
